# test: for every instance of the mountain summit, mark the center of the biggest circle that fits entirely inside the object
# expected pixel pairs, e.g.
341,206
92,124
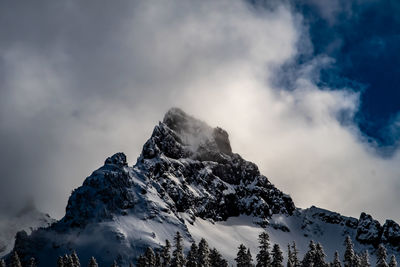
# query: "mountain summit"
197,134
196,168
187,179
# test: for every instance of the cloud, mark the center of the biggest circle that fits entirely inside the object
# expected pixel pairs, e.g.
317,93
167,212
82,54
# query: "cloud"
84,80
356,34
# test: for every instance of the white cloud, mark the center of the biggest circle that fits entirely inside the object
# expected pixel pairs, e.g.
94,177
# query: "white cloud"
215,59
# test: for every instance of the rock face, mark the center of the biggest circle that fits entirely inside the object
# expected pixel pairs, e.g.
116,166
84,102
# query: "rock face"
208,180
368,230
193,169
186,173
107,192
331,217
391,233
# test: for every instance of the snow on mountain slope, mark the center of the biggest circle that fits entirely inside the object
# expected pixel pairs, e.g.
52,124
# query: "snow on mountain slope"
27,218
301,227
187,179
114,215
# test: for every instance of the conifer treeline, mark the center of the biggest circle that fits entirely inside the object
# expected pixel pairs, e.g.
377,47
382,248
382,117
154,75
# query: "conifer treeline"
200,255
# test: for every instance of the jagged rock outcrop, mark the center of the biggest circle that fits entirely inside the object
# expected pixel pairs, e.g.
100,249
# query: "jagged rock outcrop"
196,168
331,217
391,233
368,230
192,168
104,194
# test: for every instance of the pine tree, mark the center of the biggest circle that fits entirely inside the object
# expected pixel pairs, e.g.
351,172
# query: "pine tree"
241,257
319,257
68,261
365,259
32,262
295,255
65,261
93,262
15,262
166,254
141,262
263,257
349,253
203,254
290,257
308,260
393,262
277,256
223,263
114,264
336,260
357,261
2,263
158,259
381,257
216,259
75,259
178,260
191,259
60,261
249,258
150,257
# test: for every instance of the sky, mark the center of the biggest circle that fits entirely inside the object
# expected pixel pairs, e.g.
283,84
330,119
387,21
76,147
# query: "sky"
307,89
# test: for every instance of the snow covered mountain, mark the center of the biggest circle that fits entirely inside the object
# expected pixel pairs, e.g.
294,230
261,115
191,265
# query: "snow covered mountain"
187,179
28,218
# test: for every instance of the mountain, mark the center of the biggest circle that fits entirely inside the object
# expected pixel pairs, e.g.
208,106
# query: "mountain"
187,179
27,218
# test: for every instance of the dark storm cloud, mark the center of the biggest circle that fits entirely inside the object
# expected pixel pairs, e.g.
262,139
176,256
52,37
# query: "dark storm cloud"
82,80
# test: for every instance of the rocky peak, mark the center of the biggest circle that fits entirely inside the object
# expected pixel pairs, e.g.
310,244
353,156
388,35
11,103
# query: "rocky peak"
190,166
221,138
180,122
104,194
391,232
185,167
196,168
183,136
369,230
192,130
118,159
